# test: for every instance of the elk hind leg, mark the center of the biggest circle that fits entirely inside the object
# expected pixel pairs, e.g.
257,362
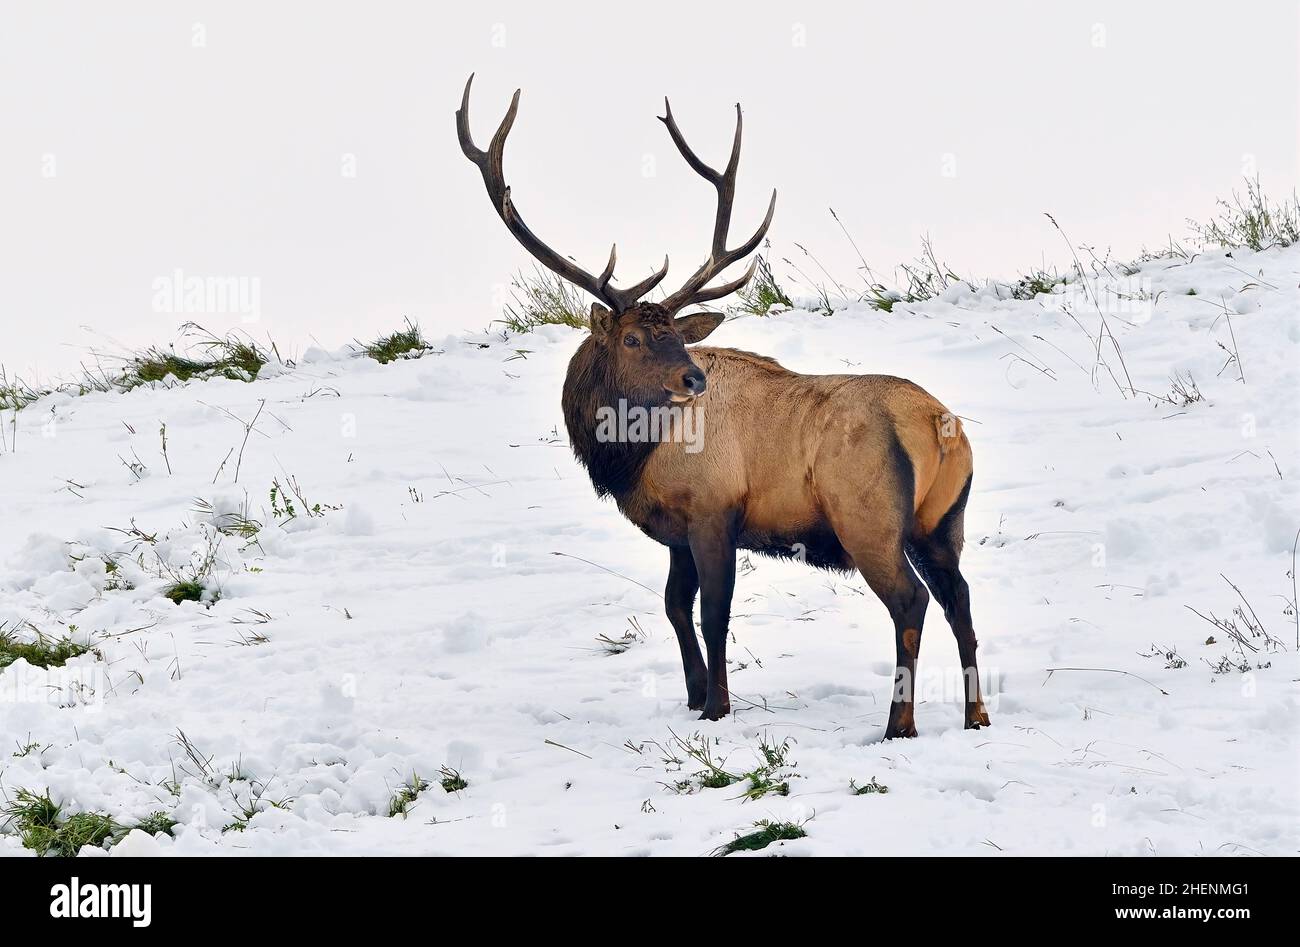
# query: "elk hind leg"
897,586
937,559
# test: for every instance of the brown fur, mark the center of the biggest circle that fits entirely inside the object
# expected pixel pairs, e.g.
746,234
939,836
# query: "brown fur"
794,453
842,471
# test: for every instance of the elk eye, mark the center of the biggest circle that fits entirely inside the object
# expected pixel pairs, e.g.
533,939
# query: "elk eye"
631,341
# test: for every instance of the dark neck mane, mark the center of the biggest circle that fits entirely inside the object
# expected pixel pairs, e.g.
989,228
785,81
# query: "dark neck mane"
614,467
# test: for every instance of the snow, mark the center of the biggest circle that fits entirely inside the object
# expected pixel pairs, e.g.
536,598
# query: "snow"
444,608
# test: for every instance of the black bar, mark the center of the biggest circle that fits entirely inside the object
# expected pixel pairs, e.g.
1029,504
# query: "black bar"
994,894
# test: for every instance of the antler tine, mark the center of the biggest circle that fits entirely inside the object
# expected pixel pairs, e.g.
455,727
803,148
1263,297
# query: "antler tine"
719,256
462,125
724,182
726,289
490,166
490,170
627,297
607,273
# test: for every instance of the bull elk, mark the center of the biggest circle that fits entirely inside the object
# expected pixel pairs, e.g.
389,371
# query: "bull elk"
865,472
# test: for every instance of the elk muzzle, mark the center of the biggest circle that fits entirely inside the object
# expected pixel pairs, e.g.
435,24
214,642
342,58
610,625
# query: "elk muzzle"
686,386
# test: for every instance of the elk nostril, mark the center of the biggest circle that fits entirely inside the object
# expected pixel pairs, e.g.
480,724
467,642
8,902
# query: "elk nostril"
694,381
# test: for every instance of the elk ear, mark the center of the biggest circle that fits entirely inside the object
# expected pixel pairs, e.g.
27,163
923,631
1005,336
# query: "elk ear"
602,320
697,326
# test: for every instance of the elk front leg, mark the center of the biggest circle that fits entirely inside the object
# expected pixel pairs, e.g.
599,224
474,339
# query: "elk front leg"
713,548
679,602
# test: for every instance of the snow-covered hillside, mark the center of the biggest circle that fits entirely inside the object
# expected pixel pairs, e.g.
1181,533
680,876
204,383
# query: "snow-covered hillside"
445,607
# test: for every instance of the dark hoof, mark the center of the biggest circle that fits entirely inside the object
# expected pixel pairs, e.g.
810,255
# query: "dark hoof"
900,733
902,722
715,711
695,703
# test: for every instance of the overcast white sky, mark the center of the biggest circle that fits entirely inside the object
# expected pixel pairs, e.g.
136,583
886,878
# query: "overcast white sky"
215,138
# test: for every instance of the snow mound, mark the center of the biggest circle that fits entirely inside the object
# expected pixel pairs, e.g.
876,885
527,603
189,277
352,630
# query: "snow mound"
396,612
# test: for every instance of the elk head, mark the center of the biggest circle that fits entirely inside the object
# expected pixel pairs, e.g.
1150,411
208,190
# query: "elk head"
642,344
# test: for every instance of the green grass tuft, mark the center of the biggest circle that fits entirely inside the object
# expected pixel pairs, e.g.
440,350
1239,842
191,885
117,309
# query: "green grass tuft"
237,523
926,276
880,298
204,356
1252,221
196,581
156,823
451,779
406,794
761,293
186,590
283,507
155,365
868,789
26,749
405,343
16,393
44,652
701,749
232,356
1035,283
43,827
29,808
717,779
545,299
769,776
767,833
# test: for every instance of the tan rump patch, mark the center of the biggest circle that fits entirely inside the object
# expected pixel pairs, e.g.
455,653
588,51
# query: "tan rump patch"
951,476
948,428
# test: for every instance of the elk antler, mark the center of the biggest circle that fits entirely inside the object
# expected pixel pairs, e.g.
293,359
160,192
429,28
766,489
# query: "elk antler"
694,291
489,163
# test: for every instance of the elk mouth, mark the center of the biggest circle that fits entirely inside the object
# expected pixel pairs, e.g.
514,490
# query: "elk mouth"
695,386
686,387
